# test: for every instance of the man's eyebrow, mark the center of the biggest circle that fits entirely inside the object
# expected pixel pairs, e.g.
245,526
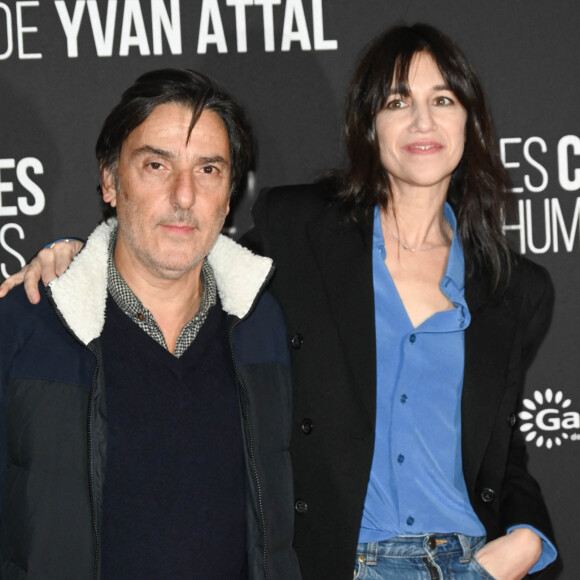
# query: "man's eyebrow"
164,154
213,159
149,150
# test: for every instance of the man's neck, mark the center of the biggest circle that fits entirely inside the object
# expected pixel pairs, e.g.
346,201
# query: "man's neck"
172,307
172,302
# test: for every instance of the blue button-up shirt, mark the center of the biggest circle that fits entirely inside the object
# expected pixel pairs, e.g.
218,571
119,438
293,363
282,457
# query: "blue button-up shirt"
416,482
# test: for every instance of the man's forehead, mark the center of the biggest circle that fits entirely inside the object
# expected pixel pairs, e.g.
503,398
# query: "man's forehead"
171,120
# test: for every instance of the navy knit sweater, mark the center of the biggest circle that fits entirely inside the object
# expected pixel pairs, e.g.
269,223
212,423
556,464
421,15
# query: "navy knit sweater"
174,487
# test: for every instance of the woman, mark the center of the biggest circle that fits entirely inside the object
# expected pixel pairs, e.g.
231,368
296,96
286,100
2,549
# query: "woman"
411,327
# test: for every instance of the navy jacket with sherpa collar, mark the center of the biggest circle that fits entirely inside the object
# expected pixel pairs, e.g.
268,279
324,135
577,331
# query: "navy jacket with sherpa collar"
53,428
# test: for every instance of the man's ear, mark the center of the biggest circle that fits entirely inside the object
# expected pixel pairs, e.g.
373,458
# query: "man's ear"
108,186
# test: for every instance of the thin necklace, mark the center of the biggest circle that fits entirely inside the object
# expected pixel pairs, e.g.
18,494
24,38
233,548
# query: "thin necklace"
406,246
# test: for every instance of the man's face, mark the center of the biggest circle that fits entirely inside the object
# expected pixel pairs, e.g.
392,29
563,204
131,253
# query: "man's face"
173,193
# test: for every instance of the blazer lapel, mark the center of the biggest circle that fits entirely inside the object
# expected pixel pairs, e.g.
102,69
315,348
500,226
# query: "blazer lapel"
343,252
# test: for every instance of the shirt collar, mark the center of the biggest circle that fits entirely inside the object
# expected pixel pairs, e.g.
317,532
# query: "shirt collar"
378,240
455,271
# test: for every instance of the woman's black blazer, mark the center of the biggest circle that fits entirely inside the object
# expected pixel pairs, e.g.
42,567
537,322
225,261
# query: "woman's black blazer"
323,281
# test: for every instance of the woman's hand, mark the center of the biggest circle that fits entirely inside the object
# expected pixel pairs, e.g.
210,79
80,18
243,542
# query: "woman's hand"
510,557
48,264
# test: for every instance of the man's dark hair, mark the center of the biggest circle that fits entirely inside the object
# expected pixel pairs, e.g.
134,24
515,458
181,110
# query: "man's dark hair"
185,87
480,187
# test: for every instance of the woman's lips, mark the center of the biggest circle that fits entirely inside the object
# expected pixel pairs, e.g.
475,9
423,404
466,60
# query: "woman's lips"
423,147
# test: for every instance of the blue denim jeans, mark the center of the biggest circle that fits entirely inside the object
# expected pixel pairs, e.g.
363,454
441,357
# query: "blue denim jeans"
425,557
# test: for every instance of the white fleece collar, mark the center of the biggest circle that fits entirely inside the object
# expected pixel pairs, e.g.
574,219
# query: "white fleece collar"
80,294
239,275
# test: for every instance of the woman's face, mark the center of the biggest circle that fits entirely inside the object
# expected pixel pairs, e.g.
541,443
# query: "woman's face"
421,136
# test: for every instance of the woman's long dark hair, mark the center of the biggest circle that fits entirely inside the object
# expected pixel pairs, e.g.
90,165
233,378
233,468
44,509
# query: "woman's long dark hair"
479,191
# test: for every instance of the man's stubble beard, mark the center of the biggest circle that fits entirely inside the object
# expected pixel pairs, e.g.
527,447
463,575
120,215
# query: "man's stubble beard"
162,266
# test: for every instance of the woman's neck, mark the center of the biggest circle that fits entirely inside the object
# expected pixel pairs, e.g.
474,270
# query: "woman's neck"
416,220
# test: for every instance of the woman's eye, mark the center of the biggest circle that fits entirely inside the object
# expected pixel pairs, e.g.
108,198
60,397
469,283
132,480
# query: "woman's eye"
443,101
395,104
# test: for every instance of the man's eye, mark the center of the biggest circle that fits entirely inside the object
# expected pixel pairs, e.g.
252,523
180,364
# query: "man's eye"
155,165
208,169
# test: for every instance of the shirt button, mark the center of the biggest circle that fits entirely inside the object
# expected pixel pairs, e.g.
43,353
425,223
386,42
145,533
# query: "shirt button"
400,458
140,316
412,338
487,495
296,341
410,520
404,398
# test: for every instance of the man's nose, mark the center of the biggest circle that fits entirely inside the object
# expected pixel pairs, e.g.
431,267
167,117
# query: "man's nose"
184,190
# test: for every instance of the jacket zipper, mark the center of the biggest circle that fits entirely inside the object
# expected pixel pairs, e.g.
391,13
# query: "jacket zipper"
89,438
247,421
90,470
252,455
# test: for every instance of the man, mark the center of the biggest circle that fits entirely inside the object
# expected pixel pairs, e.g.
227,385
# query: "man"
144,419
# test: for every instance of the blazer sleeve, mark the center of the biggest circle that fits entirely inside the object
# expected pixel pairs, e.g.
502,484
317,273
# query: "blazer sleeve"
522,501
